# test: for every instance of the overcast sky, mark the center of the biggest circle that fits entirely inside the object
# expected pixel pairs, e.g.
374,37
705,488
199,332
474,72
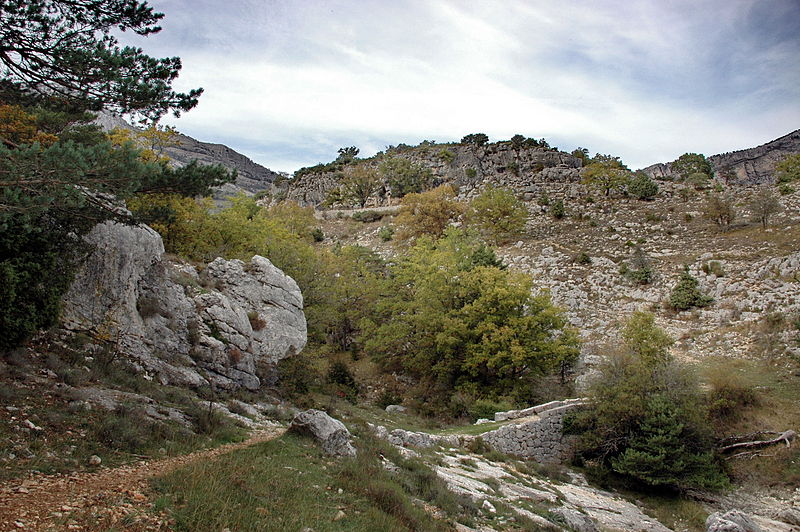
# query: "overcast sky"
289,82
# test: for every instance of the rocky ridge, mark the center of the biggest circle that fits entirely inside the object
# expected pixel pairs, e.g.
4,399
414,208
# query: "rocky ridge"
251,177
752,166
466,167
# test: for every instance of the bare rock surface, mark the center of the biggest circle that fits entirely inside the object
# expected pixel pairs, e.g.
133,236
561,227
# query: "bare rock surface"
582,507
751,166
330,432
226,328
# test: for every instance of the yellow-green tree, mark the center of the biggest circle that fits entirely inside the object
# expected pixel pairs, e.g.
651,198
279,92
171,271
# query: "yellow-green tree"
152,141
428,213
498,215
605,173
450,318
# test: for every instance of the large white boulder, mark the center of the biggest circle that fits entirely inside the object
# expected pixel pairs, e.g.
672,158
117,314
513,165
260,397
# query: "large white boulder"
224,327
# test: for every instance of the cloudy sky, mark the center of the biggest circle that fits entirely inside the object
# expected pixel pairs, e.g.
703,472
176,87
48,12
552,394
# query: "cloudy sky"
289,82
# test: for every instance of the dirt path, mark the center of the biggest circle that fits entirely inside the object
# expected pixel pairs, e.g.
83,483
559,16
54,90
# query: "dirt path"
106,498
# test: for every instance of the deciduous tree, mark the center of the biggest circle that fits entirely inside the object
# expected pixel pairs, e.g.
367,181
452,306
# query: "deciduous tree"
606,173
498,215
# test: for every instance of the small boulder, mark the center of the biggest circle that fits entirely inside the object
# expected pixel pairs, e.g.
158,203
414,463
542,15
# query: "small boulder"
95,460
332,434
395,409
576,520
731,521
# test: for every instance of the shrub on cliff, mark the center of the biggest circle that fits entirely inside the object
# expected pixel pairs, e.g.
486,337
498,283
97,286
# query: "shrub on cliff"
404,177
686,294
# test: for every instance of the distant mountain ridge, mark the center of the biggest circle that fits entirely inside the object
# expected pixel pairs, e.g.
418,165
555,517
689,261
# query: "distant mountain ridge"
252,177
751,166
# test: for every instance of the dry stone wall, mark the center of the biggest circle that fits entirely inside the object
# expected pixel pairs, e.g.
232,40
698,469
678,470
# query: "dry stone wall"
537,437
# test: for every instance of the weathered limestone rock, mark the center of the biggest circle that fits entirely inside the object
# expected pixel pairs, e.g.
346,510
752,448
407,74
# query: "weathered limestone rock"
731,521
529,171
752,166
156,314
331,433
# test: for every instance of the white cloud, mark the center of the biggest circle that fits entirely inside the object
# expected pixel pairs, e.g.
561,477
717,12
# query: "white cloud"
647,81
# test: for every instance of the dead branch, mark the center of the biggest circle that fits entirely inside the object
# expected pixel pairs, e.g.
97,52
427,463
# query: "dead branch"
745,437
748,454
786,436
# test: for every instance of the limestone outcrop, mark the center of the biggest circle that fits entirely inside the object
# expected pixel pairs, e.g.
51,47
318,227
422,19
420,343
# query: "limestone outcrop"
752,166
330,432
467,167
225,327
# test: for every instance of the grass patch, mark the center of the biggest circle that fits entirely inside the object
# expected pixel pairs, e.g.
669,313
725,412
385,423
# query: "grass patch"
777,408
288,484
472,430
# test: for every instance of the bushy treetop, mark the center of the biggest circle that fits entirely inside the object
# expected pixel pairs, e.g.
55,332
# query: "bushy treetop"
63,51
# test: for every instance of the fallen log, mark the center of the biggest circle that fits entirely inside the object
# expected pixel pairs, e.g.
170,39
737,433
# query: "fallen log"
786,436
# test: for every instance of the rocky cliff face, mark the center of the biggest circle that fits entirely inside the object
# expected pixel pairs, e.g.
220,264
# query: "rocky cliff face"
752,166
227,326
467,167
252,177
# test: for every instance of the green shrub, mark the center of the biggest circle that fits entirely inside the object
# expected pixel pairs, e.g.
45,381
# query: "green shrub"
652,217
367,216
686,295
498,215
386,233
557,210
471,173
296,375
661,452
582,258
640,270
339,373
785,189
446,155
405,177
645,421
317,234
343,382
642,187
